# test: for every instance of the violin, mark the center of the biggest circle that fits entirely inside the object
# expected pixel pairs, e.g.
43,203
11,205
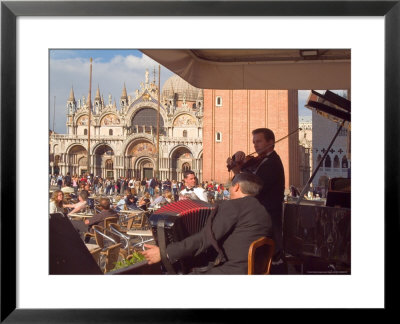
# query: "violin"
250,161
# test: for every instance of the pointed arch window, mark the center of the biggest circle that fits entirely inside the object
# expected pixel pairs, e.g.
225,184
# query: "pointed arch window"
109,165
218,137
336,162
110,132
184,133
185,166
345,164
319,158
218,101
328,162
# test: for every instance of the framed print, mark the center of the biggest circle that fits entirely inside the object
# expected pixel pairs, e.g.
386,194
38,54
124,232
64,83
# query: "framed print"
103,24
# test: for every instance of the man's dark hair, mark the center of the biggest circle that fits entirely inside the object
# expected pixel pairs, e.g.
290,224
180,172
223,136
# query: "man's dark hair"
84,194
186,173
249,183
105,203
268,134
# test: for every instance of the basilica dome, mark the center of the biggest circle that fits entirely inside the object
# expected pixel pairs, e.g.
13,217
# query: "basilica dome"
176,87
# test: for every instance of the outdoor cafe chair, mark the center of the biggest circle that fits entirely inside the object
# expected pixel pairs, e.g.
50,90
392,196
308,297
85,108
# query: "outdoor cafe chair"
115,232
106,223
96,254
104,242
112,255
260,256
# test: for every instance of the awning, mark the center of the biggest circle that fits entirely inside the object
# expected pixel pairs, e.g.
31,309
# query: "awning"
258,69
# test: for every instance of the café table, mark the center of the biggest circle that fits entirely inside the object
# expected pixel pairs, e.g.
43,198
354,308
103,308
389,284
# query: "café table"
83,216
144,236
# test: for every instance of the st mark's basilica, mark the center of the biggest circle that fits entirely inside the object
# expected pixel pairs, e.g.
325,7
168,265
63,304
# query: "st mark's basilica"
123,141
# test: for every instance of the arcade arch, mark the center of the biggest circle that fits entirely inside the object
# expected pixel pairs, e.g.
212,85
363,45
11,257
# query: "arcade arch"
103,161
140,155
77,159
181,160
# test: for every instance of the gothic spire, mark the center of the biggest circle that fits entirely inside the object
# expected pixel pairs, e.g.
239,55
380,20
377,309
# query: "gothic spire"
97,93
71,95
124,95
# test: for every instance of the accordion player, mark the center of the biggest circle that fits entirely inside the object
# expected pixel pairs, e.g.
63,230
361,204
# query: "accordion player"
176,221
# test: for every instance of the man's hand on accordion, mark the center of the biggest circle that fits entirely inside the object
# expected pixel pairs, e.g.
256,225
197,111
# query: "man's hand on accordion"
152,254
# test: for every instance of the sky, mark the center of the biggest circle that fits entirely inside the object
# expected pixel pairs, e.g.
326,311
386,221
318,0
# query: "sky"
111,68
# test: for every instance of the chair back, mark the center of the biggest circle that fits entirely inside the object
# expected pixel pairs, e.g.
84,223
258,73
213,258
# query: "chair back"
260,256
96,254
115,232
112,255
99,235
110,220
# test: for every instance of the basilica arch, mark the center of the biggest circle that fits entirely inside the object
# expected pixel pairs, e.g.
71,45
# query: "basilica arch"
181,160
76,159
140,157
103,161
144,120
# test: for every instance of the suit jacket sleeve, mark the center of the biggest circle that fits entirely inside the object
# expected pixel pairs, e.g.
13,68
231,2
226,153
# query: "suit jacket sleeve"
193,245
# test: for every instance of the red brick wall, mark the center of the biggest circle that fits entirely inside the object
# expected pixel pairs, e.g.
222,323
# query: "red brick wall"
241,112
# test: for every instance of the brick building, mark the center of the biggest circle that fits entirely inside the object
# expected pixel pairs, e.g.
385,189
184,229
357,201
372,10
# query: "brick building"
231,115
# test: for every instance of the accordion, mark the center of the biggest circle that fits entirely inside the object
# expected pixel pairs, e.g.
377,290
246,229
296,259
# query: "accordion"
176,221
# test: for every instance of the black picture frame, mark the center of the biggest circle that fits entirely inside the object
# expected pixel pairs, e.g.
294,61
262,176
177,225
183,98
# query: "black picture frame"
10,10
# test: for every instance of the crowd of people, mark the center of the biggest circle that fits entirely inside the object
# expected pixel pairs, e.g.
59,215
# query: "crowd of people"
170,189
250,208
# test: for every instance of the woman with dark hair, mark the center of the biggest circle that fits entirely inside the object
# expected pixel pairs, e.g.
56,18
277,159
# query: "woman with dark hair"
144,201
56,202
130,202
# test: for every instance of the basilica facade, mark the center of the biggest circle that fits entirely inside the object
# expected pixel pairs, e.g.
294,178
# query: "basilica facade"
123,141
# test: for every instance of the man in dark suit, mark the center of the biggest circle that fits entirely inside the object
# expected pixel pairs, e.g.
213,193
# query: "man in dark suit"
237,223
84,227
270,171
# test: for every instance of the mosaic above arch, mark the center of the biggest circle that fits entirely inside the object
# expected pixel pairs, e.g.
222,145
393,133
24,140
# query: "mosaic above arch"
110,120
142,148
184,120
83,120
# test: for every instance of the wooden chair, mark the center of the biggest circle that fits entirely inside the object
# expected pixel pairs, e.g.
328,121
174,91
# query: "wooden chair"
105,242
110,220
115,232
260,256
106,224
96,254
112,255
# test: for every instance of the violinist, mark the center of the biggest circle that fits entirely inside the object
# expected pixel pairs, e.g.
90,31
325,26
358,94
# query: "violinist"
269,168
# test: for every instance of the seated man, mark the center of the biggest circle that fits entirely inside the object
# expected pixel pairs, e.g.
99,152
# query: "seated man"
191,191
144,201
237,223
130,203
123,201
84,227
81,205
158,200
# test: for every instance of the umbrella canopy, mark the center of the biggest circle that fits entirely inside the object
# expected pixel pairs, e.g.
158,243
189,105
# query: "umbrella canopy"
258,69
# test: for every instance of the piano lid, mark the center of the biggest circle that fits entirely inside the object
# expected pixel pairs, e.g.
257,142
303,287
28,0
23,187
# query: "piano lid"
330,105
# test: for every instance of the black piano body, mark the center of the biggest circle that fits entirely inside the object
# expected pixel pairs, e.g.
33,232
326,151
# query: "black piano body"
318,238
